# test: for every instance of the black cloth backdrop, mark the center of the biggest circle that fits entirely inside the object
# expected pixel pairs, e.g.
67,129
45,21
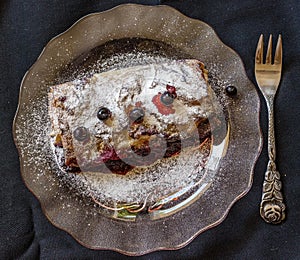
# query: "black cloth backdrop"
25,28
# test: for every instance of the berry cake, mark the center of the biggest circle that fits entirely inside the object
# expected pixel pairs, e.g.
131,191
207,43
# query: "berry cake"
129,118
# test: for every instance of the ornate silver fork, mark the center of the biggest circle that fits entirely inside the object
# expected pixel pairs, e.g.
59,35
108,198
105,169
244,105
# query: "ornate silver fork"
268,74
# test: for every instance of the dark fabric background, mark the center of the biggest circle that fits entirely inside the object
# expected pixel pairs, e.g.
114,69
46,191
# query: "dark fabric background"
26,26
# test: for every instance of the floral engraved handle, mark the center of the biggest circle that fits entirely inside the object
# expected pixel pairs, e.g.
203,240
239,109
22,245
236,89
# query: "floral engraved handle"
272,208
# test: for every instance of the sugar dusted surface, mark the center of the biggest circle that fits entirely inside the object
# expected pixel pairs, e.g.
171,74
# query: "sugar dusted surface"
133,187
126,87
164,177
84,222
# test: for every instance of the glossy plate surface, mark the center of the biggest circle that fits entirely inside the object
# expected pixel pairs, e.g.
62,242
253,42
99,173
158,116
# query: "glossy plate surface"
130,31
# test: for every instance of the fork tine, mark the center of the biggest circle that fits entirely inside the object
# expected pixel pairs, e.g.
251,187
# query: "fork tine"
269,51
278,52
259,50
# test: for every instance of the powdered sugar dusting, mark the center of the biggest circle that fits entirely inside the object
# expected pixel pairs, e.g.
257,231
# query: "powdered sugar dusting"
118,90
174,173
164,177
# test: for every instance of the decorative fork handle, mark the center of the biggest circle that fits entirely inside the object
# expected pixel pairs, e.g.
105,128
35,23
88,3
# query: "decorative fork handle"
272,208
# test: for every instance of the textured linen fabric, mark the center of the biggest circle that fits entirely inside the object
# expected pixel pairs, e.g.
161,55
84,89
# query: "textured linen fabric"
26,27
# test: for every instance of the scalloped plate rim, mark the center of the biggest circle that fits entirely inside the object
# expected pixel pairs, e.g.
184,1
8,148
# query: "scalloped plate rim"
18,111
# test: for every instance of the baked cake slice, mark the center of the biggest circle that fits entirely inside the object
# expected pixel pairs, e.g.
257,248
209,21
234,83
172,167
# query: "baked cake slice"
132,117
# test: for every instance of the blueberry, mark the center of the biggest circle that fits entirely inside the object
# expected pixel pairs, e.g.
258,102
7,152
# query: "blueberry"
103,113
81,133
167,98
231,90
137,115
